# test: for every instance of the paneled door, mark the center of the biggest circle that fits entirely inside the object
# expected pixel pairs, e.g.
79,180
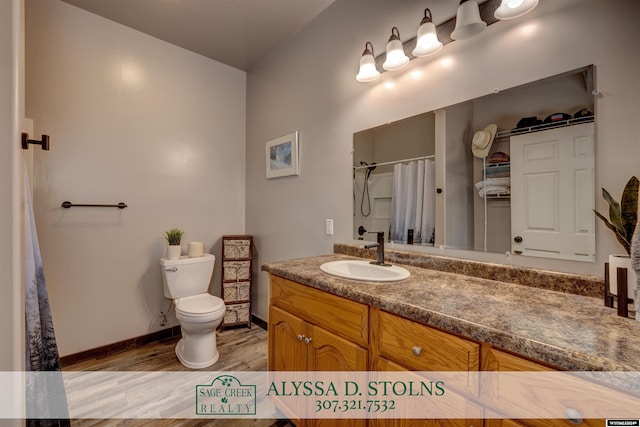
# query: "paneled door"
552,193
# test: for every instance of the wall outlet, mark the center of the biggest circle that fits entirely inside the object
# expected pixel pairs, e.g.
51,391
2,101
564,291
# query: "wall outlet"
328,226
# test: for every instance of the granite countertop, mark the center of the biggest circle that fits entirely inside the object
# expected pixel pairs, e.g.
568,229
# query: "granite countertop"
573,332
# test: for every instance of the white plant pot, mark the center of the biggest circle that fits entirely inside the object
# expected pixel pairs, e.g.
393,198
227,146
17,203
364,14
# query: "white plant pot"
623,261
174,251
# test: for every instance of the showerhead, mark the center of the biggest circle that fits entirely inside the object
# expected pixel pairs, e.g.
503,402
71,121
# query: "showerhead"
369,167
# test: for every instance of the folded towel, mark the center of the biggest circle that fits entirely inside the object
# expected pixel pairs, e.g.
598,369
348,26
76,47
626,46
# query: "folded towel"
496,182
494,190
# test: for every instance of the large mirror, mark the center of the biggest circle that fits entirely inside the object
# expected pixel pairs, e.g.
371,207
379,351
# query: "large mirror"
510,172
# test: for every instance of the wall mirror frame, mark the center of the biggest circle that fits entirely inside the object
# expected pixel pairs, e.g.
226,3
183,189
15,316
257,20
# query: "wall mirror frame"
531,195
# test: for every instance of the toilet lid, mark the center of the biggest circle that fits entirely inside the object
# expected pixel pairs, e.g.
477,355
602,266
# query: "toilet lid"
199,304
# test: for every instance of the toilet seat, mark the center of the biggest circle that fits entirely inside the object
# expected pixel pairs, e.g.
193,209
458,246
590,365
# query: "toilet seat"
199,307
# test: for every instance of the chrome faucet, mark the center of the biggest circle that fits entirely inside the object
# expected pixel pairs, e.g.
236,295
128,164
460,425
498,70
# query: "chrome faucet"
380,246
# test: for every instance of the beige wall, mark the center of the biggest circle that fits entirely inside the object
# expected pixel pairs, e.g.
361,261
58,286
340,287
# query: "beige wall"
132,119
308,85
11,187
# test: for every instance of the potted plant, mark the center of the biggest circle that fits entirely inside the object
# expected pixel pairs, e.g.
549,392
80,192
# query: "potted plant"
173,237
623,217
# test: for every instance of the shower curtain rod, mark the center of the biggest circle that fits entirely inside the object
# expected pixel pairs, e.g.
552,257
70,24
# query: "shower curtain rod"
395,161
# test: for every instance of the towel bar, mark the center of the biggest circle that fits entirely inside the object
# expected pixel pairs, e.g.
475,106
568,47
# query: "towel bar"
67,204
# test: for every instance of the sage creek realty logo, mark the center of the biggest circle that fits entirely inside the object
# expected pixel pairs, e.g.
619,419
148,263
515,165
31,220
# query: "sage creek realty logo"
225,396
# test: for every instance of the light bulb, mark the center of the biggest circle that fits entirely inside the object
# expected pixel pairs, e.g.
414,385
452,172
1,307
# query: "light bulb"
396,58
510,9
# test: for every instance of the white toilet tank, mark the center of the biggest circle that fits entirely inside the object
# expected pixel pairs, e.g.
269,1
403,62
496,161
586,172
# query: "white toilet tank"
185,276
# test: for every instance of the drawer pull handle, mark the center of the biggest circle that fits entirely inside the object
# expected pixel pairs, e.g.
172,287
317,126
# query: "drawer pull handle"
416,350
307,340
573,416
300,337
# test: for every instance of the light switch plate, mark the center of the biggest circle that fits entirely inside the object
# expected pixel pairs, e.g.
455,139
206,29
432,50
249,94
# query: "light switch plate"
328,225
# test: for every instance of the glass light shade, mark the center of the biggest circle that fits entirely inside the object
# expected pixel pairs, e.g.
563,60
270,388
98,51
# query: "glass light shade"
510,9
396,58
468,21
427,42
368,71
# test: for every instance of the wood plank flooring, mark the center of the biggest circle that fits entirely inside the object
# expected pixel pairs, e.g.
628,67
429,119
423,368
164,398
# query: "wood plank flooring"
240,349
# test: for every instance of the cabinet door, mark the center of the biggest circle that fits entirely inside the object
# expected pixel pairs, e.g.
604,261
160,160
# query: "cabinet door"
454,403
507,399
287,350
329,352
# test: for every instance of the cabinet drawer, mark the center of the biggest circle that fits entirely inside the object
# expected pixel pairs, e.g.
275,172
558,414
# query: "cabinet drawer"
344,317
422,348
496,360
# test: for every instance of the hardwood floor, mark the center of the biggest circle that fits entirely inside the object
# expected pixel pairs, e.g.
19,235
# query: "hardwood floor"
240,349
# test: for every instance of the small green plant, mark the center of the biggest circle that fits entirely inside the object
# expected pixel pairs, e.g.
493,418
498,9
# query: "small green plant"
623,216
173,236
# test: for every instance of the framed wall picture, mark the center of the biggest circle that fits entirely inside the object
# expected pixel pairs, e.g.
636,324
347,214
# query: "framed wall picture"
282,156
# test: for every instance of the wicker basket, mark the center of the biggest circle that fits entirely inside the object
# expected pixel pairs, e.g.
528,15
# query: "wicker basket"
237,249
237,270
237,313
237,291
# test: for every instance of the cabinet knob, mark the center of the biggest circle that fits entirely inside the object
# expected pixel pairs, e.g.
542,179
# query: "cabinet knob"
300,337
416,350
307,340
573,416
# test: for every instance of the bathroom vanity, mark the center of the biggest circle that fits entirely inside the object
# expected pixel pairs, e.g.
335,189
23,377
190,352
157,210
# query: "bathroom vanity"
441,321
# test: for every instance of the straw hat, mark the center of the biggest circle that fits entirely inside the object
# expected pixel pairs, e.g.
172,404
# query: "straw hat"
482,141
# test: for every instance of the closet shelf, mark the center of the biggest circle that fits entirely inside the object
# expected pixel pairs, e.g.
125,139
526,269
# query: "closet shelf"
497,196
545,126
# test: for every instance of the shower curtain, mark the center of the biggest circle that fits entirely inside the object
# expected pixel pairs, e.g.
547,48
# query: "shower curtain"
413,202
46,401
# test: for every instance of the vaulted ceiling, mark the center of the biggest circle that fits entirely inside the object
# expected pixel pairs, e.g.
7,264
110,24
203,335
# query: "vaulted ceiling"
238,33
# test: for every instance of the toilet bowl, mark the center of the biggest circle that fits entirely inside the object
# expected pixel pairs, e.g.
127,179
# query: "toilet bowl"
186,282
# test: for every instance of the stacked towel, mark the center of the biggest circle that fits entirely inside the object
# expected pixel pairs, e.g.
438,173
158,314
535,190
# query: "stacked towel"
494,187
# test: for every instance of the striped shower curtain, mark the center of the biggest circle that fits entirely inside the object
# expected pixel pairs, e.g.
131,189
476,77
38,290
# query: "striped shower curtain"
46,401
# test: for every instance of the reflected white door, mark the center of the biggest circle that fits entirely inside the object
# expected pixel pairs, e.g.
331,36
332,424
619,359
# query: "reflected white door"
552,193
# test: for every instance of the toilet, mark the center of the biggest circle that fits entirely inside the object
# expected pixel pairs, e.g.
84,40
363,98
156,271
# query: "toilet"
186,282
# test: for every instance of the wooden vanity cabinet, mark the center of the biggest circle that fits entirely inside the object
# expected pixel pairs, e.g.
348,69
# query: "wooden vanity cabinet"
311,330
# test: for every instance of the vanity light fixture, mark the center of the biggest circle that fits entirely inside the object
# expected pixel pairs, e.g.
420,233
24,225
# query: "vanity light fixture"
368,71
468,21
510,9
427,42
396,57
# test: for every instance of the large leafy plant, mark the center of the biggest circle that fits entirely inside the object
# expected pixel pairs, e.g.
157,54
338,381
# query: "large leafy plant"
623,216
173,236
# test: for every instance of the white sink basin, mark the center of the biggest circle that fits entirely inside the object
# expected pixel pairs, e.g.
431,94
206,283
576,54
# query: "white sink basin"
364,270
